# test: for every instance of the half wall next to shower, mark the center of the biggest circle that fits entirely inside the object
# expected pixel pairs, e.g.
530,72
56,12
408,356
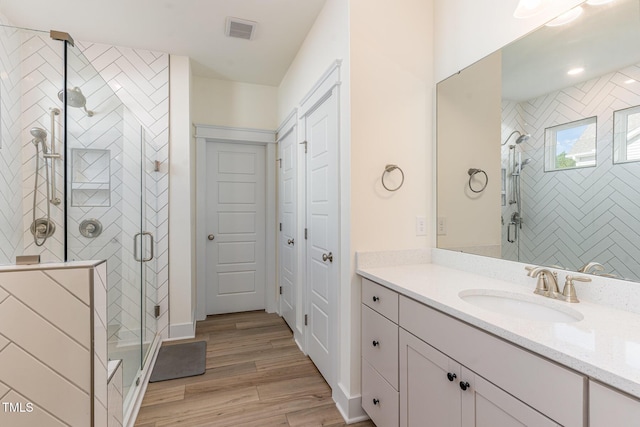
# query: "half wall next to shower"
112,195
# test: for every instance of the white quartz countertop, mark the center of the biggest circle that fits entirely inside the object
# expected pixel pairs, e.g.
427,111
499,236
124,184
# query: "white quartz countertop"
605,344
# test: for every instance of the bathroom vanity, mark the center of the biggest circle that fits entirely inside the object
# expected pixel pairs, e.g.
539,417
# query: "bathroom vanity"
434,352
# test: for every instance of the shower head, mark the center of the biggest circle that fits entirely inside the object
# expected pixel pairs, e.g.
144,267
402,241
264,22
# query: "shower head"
522,138
75,99
39,136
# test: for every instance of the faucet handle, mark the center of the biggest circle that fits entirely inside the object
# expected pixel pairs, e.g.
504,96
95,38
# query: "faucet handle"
569,291
529,268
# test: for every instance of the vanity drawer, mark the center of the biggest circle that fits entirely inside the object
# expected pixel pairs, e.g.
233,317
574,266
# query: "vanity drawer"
528,377
379,400
381,299
383,356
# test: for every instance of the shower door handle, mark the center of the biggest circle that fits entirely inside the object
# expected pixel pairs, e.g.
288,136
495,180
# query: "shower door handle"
135,247
153,243
515,230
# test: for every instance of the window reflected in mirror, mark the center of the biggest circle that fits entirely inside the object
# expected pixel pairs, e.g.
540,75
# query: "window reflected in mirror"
571,145
626,135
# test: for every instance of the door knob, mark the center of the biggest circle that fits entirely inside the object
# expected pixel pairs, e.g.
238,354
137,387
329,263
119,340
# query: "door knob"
328,256
290,242
210,237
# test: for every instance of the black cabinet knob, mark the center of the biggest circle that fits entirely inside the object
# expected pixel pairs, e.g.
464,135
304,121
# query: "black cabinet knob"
376,299
464,385
376,343
451,376
376,401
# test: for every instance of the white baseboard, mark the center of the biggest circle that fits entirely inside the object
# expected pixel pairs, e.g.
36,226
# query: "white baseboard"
181,331
131,415
350,407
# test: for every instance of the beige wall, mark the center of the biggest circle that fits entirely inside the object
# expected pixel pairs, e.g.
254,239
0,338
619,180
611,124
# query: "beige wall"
391,123
234,104
469,115
181,194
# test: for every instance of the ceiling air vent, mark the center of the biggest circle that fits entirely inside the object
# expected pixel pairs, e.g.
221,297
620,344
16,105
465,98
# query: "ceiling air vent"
240,28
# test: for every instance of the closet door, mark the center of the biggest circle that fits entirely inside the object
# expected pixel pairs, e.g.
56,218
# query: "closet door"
236,245
288,241
322,192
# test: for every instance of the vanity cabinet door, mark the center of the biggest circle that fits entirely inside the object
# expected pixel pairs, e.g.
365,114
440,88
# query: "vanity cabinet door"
485,405
427,396
610,408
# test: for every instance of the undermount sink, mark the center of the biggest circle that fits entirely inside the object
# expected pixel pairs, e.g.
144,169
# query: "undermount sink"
530,307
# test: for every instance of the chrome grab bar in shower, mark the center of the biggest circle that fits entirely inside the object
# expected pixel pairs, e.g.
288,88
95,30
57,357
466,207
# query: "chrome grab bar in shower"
135,246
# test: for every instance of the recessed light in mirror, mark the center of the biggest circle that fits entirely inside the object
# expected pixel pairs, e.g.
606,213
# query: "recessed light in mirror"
629,81
529,8
575,71
566,18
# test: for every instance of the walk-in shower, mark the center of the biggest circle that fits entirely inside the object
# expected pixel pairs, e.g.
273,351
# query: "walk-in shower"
73,184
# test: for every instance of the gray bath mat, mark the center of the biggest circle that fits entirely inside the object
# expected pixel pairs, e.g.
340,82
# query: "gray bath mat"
179,361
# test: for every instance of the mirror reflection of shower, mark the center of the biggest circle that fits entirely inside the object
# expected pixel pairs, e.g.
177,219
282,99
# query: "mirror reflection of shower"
41,228
517,165
76,99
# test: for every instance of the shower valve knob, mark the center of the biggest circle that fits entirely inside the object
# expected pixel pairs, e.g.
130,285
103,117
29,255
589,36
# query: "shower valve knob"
211,237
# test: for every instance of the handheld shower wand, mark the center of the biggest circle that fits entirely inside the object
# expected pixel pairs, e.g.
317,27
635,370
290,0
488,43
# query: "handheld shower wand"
41,228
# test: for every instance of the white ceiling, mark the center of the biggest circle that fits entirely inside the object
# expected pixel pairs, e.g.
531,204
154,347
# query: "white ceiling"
194,28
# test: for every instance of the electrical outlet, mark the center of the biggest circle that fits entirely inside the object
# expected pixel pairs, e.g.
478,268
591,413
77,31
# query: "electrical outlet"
421,226
442,226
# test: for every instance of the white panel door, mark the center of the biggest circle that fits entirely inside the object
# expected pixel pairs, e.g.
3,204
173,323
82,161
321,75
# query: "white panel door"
236,246
288,240
321,130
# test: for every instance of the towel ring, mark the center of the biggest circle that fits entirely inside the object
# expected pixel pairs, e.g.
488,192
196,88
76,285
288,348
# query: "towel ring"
389,169
473,172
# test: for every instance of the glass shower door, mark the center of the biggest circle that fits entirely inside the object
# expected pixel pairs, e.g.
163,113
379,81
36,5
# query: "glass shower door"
105,182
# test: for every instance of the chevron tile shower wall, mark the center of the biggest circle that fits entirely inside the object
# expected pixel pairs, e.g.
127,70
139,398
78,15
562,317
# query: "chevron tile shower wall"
140,79
575,216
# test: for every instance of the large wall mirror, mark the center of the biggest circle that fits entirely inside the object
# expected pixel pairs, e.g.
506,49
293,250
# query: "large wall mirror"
553,119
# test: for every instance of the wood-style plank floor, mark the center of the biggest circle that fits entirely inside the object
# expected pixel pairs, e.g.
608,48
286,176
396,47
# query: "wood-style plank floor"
256,376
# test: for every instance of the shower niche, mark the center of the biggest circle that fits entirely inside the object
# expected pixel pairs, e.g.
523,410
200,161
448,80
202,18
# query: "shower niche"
90,177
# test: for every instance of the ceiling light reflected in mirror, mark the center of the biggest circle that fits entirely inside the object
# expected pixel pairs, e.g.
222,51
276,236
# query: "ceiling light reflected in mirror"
529,8
567,17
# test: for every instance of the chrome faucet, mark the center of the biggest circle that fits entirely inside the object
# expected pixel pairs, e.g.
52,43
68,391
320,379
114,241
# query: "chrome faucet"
547,284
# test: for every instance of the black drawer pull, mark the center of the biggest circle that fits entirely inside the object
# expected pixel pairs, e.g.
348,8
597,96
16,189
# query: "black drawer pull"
376,299
451,376
464,385
376,401
376,343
